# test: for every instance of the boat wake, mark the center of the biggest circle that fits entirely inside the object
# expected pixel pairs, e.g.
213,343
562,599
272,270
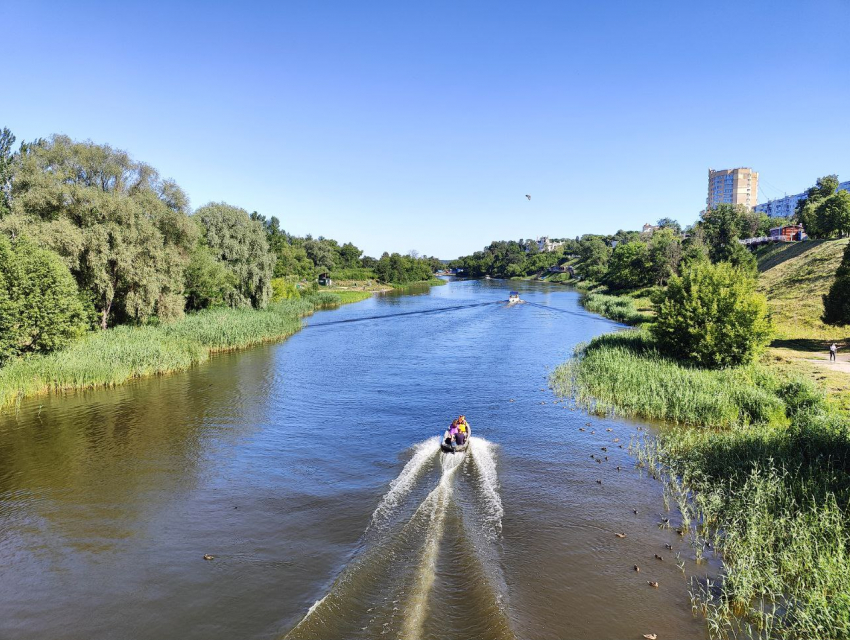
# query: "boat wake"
428,564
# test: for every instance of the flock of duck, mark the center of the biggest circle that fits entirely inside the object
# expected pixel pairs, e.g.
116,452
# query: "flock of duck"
604,458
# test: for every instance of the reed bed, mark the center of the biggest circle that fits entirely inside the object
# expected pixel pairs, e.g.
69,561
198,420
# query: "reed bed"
619,308
112,357
624,373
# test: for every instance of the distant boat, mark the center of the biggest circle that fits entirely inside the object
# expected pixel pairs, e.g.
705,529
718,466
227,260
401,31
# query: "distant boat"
487,278
514,297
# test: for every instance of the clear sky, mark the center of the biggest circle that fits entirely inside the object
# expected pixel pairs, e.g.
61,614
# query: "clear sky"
422,125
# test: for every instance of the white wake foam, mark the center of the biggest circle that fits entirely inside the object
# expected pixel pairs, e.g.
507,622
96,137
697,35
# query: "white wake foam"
423,452
484,456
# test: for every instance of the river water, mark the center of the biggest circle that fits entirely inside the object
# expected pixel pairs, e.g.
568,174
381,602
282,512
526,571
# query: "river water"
310,470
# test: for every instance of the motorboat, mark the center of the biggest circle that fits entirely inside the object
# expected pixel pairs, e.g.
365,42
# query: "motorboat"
514,297
459,448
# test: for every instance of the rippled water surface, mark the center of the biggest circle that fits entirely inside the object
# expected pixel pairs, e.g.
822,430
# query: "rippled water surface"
310,469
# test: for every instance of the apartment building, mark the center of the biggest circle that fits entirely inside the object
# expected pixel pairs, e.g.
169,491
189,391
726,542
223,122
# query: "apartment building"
732,186
785,207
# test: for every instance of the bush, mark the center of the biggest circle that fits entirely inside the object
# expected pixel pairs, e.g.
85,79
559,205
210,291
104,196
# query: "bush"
40,306
712,316
284,290
836,303
618,308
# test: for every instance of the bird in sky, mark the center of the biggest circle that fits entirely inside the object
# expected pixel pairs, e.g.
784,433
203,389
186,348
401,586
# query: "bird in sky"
528,196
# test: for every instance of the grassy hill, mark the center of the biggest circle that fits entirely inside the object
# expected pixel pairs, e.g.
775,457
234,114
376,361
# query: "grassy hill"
794,277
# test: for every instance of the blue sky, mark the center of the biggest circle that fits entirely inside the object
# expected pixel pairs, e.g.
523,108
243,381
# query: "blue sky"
422,125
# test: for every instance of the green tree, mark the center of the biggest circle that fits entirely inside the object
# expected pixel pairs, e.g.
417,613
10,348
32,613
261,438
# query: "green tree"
350,255
836,303
6,170
629,266
722,228
712,316
209,283
121,228
665,254
40,306
593,257
239,243
669,223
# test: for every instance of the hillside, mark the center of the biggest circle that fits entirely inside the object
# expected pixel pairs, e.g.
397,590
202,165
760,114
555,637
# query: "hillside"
794,277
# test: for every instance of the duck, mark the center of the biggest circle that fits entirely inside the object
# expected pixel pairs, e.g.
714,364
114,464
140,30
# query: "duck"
657,557
668,546
609,429
208,556
604,448
616,440
620,535
618,468
635,510
650,636
637,568
652,584
599,482
582,429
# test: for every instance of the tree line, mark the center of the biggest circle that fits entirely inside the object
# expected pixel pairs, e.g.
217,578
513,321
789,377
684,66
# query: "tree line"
90,237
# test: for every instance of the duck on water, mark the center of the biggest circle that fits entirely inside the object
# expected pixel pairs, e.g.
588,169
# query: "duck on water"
456,437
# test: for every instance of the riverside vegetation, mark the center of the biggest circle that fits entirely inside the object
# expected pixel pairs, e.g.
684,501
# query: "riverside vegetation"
758,466
106,274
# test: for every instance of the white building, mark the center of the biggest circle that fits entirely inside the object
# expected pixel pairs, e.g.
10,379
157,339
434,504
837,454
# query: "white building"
545,245
787,206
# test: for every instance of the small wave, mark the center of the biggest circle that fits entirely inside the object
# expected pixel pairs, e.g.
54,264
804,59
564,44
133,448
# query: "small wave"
423,452
483,455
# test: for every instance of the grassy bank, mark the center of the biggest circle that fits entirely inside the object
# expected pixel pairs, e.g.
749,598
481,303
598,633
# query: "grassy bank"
618,308
762,474
112,357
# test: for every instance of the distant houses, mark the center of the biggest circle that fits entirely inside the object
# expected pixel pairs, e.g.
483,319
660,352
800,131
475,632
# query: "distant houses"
545,245
786,233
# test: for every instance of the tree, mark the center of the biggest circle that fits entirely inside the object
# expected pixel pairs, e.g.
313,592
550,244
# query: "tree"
6,170
209,283
593,257
629,266
665,254
836,303
40,307
722,228
122,229
350,255
240,244
712,316
669,223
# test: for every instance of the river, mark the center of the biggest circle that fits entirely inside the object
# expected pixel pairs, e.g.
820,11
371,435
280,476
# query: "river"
310,470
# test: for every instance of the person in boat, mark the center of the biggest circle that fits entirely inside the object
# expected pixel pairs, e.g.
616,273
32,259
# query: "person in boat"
462,424
450,436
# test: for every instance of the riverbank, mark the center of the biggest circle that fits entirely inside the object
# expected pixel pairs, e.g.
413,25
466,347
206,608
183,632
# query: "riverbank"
115,356
760,469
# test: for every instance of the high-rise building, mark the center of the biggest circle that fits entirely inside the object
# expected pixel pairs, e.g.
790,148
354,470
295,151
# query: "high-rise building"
732,186
787,206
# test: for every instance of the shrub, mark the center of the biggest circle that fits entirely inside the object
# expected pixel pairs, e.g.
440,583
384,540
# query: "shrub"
40,306
712,316
284,290
836,303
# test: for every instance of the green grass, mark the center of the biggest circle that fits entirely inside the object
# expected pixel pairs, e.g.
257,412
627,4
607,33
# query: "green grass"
619,308
794,277
348,297
774,503
108,358
624,373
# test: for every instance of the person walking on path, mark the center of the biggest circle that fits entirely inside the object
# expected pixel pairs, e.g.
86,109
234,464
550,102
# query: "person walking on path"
832,350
